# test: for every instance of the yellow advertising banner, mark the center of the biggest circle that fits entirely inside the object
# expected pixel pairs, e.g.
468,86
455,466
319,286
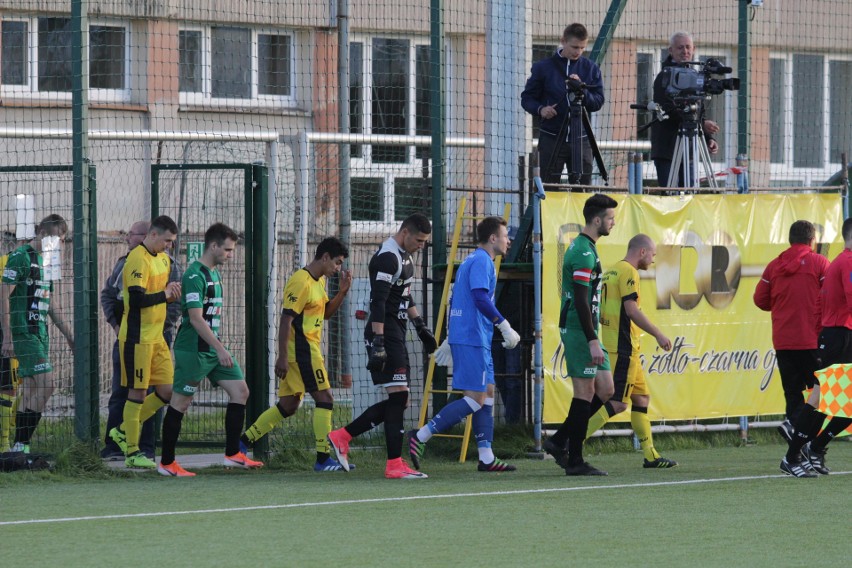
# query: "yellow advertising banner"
711,252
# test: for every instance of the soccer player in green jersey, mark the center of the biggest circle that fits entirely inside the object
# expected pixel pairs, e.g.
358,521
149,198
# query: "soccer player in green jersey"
26,301
621,320
587,360
300,366
199,352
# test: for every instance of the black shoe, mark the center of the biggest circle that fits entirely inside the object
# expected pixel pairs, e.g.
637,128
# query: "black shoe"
796,469
786,430
584,468
659,463
815,458
559,453
497,465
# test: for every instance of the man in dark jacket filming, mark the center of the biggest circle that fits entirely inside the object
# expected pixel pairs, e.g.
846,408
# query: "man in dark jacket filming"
546,95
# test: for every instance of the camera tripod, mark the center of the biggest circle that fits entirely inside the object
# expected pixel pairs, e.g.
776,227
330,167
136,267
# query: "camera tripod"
573,124
690,149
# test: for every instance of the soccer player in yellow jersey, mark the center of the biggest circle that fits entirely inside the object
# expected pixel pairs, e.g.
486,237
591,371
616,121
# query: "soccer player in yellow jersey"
300,366
144,353
621,320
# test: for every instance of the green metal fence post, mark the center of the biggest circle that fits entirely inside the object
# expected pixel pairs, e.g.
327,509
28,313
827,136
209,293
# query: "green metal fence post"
86,422
257,292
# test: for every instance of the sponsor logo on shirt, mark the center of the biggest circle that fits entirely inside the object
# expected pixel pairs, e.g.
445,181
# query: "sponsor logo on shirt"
292,298
136,274
193,297
384,277
10,274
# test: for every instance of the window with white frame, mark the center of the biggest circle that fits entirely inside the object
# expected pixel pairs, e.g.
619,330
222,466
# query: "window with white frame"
36,58
236,66
810,113
389,94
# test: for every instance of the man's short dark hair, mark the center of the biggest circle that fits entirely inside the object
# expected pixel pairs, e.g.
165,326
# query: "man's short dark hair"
847,229
489,226
417,222
597,205
52,225
577,31
802,232
218,233
333,246
164,224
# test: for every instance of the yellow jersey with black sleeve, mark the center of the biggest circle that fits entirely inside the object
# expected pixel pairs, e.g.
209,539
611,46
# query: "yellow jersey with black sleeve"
618,285
144,277
305,299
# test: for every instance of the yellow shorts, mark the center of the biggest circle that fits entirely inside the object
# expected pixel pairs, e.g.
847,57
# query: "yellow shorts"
628,377
145,364
302,377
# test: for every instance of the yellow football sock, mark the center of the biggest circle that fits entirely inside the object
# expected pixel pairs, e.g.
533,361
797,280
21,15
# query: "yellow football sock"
6,416
322,426
264,424
150,406
131,425
597,421
642,427
13,423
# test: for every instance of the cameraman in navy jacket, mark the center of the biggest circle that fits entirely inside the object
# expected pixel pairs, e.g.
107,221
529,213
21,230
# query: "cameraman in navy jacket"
546,95
664,133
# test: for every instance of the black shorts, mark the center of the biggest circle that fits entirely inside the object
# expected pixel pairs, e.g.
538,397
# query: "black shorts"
835,346
396,368
797,368
8,375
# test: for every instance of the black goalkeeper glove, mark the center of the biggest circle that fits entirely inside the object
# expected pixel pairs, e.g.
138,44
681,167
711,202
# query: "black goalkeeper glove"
378,355
425,335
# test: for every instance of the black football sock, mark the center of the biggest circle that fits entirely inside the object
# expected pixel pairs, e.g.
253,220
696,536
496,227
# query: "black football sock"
835,426
394,428
235,417
172,422
368,420
578,423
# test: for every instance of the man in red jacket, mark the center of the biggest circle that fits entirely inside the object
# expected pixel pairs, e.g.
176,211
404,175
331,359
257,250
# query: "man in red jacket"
835,347
789,288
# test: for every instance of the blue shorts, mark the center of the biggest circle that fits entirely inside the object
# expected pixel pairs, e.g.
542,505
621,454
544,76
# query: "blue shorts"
473,368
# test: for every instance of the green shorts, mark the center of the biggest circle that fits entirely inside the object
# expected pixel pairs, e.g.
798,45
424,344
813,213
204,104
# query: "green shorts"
578,358
31,353
191,367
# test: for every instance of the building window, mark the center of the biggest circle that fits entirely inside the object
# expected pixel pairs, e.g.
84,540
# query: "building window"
389,93
840,110
232,65
41,62
777,111
808,79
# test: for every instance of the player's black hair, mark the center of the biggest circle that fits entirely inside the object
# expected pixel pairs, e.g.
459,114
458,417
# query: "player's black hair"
333,246
164,224
847,229
597,205
802,232
417,222
487,227
52,225
218,233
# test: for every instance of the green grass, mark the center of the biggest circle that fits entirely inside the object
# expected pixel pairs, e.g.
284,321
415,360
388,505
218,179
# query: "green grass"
731,507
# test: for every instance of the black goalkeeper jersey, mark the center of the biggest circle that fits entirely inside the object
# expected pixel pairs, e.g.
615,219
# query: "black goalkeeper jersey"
391,278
